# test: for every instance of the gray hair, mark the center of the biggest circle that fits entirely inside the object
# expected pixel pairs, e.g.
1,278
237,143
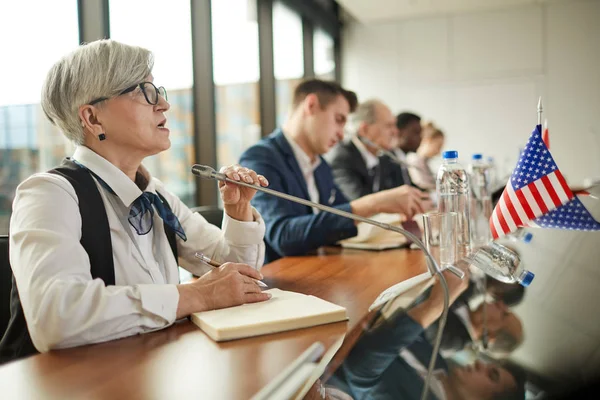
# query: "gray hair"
504,343
103,68
366,112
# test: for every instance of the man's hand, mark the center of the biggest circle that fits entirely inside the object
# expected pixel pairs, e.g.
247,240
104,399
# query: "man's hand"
227,286
455,288
404,199
431,309
236,198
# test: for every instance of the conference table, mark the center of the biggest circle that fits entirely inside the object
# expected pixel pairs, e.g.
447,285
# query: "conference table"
181,362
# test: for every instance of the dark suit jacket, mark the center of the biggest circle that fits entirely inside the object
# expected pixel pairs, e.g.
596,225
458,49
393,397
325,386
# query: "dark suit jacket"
352,176
374,369
292,228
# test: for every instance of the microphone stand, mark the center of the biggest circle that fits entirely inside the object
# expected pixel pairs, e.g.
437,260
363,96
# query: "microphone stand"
209,173
388,153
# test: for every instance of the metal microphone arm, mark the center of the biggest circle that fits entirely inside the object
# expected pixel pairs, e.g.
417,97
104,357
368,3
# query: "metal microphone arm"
207,172
388,153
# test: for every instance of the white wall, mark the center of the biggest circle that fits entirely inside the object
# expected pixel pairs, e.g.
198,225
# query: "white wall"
478,76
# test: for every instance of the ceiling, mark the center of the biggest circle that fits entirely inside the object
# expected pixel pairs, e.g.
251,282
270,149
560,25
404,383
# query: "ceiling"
368,11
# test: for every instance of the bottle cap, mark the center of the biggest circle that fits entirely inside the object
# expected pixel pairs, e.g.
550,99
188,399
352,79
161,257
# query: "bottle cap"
477,156
450,154
527,238
526,278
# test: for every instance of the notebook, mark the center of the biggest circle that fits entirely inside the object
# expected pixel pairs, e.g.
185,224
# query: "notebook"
372,237
283,312
403,293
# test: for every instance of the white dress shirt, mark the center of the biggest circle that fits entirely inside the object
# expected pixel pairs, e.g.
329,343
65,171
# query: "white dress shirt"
63,305
435,384
308,170
371,162
402,156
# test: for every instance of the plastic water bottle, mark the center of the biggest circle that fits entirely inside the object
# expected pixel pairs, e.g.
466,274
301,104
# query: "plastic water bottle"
481,202
521,235
501,263
492,174
453,195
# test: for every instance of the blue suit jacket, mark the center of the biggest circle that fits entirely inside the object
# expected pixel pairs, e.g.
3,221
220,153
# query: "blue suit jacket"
293,229
374,369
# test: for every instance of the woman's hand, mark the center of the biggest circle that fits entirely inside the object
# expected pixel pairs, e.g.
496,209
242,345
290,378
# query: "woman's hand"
236,198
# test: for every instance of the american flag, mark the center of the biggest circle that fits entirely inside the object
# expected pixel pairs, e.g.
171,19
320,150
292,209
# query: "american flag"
537,195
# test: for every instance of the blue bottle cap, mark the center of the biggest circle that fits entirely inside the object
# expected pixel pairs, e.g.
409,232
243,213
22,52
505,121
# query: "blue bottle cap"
527,238
527,278
477,156
450,154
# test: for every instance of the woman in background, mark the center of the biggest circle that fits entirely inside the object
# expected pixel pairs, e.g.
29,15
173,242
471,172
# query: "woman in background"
431,146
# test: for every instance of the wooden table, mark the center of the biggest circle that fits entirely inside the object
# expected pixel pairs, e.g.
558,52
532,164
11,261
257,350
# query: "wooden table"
182,362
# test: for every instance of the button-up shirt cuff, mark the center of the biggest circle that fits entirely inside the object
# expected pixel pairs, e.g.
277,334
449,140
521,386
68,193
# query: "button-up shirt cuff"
160,300
244,233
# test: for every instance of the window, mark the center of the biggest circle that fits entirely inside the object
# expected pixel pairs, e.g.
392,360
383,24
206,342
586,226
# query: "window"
32,43
165,29
236,74
288,57
324,58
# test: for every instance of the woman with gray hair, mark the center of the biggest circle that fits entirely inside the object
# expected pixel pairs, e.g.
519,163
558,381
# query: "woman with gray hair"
95,243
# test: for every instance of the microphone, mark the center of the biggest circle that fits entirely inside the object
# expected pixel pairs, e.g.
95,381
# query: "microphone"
388,153
206,172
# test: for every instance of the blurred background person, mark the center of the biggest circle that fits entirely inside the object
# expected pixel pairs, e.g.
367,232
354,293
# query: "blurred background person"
409,138
358,169
291,160
432,142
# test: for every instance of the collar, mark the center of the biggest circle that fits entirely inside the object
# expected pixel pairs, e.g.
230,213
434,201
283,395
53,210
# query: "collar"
400,154
370,159
120,183
462,313
303,159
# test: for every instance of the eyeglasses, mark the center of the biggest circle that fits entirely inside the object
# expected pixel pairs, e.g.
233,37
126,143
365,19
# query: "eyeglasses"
151,93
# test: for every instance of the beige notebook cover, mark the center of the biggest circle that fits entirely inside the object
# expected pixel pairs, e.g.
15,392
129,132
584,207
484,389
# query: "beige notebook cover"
371,237
283,312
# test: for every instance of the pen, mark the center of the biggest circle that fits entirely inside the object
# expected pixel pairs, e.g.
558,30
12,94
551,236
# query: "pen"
209,261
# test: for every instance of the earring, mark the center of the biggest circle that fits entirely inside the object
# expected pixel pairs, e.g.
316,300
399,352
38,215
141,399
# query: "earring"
101,136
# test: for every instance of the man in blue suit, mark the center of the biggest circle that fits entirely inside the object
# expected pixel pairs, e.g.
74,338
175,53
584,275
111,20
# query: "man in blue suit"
290,159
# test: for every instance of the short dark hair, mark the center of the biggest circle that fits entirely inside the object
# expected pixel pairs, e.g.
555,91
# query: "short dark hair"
405,118
517,392
326,92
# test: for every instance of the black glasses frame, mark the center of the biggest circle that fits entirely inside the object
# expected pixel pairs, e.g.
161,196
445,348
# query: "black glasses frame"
143,87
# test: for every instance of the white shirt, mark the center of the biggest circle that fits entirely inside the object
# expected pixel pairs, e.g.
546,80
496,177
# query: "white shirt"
63,306
435,384
308,170
371,160
402,156
463,313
